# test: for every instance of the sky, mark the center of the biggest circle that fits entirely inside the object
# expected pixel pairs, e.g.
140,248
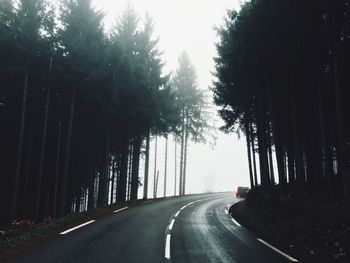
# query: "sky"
189,25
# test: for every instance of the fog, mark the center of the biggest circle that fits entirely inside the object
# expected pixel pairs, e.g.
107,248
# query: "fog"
190,25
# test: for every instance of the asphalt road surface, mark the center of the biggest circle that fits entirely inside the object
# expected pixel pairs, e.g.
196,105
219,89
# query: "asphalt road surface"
193,228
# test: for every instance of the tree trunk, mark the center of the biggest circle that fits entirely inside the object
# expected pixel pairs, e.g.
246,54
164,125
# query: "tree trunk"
261,131
272,174
19,148
78,200
112,182
248,136
42,154
254,156
155,169
123,170
185,157
175,167
182,153
57,170
24,204
165,164
321,115
145,185
135,167
298,152
104,176
130,162
344,164
63,206
291,165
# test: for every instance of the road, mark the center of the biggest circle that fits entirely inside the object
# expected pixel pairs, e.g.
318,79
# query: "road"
193,228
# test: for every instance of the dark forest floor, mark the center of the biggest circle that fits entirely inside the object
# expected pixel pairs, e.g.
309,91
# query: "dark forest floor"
312,227
21,235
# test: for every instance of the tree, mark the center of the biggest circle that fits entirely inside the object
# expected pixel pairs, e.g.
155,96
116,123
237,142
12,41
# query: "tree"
278,69
195,114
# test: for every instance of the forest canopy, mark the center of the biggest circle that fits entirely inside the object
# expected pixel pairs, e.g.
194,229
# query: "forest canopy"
78,105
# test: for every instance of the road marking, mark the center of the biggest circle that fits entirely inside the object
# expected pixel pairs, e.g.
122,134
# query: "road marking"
226,211
234,221
170,228
278,251
74,228
171,224
121,209
146,202
182,208
167,246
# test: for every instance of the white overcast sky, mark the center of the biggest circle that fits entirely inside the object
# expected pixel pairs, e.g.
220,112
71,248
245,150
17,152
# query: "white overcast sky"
189,25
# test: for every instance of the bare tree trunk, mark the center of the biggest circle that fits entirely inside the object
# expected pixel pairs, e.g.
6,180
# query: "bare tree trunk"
58,153
344,164
322,127
145,184
24,204
261,130
248,136
272,173
112,182
42,154
155,169
67,156
291,165
175,167
182,153
185,158
104,176
20,146
123,173
165,164
254,156
156,184
135,168
130,165
78,200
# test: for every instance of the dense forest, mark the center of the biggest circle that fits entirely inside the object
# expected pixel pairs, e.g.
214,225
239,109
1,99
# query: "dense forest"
282,77
79,105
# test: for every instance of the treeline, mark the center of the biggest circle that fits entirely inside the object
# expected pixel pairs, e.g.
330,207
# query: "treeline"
78,107
282,76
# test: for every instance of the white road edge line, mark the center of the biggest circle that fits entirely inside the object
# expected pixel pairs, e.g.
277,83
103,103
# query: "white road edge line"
171,224
74,228
234,221
177,213
167,246
278,251
121,209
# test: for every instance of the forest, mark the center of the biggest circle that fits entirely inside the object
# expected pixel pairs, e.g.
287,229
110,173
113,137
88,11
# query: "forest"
79,105
282,77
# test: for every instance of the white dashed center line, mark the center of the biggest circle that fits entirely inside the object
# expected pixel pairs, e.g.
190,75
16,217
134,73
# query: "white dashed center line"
177,213
171,224
167,246
170,228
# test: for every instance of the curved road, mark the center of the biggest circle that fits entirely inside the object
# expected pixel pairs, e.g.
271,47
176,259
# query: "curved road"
193,228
